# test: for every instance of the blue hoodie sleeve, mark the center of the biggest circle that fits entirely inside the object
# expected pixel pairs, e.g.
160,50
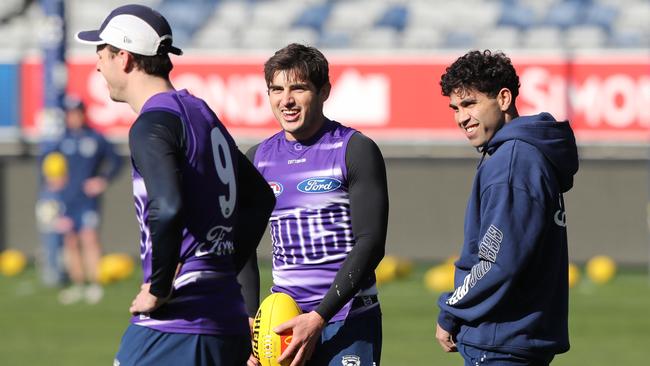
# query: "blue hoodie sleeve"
512,222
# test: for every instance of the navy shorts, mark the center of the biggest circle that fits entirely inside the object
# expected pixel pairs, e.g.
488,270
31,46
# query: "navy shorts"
477,357
351,342
83,218
144,346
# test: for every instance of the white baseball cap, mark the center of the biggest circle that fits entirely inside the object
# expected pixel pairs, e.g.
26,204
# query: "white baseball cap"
134,28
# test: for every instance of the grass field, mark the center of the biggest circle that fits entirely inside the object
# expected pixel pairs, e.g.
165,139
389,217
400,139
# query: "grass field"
610,324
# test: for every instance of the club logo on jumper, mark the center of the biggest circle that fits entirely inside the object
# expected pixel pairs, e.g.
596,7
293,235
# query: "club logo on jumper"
318,185
560,215
216,243
276,187
351,360
560,218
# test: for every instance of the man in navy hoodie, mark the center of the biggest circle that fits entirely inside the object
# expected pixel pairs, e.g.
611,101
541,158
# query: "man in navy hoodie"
510,303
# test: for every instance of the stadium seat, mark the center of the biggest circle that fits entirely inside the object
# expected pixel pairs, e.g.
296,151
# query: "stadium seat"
635,14
565,14
354,16
377,38
500,38
215,36
585,36
425,14
265,14
601,15
186,17
545,37
460,39
427,38
232,14
259,38
306,36
334,40
629,37
396,17
517,15
313,16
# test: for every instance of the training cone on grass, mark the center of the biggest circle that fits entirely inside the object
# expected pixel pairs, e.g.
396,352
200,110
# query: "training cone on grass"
386,271
601,269
440,278
115,267
12,262
404,267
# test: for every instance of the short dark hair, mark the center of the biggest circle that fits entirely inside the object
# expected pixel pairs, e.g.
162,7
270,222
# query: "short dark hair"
307,63
485,72
158,65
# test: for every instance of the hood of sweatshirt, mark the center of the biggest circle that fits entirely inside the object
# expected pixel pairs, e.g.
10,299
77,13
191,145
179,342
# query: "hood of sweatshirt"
553,138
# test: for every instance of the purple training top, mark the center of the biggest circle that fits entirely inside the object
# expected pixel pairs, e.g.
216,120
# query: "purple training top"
206,298
311,229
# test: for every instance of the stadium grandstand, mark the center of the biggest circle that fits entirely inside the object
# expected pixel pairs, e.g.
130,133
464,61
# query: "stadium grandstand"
364,24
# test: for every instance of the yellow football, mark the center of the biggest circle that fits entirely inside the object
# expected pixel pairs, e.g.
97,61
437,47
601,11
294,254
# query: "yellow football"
276,309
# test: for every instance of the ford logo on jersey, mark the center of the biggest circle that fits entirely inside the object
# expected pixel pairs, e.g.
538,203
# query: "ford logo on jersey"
318,185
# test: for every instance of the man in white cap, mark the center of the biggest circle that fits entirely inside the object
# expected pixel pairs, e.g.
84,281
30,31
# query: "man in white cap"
201,205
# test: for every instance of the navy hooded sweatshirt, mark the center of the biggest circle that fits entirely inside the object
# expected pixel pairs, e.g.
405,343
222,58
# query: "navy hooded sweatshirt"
511,280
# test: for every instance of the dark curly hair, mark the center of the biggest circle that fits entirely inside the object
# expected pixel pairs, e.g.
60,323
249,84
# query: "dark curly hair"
485,72
306,62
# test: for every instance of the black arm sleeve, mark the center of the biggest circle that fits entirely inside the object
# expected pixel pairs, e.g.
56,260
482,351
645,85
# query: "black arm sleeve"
156,147
368,190
256,202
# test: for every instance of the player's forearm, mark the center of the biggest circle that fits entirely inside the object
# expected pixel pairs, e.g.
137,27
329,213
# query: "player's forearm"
256,202
249,279
165,225
357,270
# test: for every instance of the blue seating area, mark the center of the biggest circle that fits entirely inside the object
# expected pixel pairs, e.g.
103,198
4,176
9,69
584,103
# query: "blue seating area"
415,24
374,24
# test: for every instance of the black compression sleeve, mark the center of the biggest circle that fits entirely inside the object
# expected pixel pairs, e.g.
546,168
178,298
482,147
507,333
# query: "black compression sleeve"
156,143
255,203
249,276
368,190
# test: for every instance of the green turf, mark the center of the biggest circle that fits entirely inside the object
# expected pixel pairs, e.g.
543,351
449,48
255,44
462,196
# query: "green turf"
610,324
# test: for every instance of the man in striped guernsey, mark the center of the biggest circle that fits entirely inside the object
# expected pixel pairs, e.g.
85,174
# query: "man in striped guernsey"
201,205
329,224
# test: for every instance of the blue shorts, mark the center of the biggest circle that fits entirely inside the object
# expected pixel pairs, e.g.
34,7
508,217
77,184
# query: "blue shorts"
351,342
83,218
144,346
477,357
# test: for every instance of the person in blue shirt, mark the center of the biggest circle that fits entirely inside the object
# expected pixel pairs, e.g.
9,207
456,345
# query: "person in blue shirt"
510,303
92,164
50,220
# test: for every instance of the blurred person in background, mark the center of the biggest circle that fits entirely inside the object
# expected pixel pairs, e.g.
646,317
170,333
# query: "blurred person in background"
329,224
50,219
92,164
201,205
510,304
